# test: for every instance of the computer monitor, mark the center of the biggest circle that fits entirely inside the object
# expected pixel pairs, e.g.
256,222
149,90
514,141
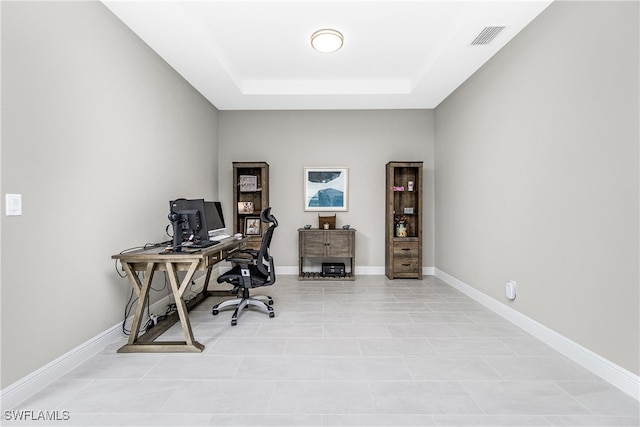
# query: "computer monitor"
214,218
198,218
189,219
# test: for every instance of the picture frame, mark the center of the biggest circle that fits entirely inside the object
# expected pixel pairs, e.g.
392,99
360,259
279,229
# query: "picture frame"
252,226
248,183
245,208
326,189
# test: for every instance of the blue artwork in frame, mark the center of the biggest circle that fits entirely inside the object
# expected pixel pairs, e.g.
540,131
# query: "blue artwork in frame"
325,189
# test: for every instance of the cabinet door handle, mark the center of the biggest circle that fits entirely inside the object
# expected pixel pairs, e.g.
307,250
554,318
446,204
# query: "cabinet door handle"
406,249
406,265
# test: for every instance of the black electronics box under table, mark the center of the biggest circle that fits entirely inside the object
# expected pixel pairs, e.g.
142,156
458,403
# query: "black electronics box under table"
335,269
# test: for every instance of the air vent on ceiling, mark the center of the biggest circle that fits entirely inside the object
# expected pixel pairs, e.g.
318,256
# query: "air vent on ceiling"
487,35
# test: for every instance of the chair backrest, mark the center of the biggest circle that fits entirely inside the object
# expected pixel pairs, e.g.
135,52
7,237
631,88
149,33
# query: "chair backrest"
264,262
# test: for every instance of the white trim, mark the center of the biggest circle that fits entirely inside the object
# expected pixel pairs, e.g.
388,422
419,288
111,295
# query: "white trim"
287,270
616,375
27,386
428,271
360,270
369,270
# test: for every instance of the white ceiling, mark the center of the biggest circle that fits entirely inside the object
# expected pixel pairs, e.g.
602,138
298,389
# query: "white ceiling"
256,55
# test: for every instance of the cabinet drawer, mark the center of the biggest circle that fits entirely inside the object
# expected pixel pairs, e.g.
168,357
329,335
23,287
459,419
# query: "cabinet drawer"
226,253
405,249
406,265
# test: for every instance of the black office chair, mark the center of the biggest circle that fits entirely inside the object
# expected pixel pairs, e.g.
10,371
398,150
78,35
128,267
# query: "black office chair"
254,271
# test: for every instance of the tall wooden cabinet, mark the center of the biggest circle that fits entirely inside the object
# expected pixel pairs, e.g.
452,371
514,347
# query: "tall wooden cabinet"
250,197
403,220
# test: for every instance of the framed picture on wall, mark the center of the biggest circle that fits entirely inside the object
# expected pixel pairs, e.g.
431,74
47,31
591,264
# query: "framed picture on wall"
326,189
252,226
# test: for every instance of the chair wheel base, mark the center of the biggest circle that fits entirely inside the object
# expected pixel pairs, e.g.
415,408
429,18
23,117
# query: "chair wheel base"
243,303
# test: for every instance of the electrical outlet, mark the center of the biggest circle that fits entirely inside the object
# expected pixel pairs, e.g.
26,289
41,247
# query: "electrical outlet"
510,290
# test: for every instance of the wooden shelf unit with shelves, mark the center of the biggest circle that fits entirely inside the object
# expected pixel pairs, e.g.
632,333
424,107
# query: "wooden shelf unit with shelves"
250,188
403,220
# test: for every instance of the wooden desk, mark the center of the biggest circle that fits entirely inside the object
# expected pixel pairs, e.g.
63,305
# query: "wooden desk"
151,260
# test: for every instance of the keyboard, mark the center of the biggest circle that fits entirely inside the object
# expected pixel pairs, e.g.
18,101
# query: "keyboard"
200,245
219,237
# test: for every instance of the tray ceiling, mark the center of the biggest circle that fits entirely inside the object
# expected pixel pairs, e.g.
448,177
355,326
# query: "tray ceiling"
257,55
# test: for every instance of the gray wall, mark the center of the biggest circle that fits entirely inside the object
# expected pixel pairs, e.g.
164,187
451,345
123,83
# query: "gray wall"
363,141
98,134
537,176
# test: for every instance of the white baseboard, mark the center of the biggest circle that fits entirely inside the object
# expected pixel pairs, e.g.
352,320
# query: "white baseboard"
360,270
616,375
428,271
293,270
27,386
369,271
287,270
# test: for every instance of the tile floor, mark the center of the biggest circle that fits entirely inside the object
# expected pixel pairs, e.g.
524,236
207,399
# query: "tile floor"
373,352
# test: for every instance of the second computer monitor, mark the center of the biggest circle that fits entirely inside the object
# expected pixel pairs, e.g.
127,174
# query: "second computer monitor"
214,218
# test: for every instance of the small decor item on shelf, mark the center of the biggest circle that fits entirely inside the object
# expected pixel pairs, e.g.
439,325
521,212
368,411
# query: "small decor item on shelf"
327,222
410,186
245,207
398,188
402,229
248,183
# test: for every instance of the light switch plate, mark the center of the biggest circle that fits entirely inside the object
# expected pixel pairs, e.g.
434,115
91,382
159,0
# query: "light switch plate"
13,204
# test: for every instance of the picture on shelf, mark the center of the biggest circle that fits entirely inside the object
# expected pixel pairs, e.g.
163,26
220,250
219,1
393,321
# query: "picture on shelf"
252,226
248,183
245,207
325,189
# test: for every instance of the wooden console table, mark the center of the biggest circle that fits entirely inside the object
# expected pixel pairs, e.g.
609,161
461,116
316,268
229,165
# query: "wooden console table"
151,260
326,244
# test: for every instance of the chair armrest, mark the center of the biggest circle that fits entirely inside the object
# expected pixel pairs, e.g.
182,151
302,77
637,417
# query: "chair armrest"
254,253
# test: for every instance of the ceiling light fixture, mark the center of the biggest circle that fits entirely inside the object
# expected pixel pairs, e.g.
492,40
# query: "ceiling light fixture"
327,40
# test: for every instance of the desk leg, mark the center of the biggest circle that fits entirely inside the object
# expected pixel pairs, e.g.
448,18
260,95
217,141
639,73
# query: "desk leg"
206,279
145,343
178,291
142,289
